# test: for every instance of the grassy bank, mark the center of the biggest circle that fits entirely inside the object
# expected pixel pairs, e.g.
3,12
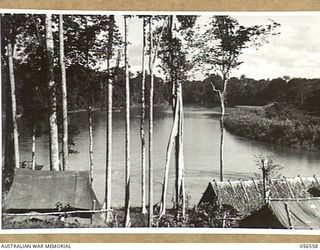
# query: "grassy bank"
278,125
204,216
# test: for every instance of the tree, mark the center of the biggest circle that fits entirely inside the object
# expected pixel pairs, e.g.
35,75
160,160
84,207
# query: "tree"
150,161
89,111
286,78
269,170
88,44
11,140
142,121
30,76
175,65
87,41
10,52
127,222
152,59
111,27
65,149
53,127
218,50
87,36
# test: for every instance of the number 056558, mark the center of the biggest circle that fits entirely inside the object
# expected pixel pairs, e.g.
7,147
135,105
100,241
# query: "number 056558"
309,245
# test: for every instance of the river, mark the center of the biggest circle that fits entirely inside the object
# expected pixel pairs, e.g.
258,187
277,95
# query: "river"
201,150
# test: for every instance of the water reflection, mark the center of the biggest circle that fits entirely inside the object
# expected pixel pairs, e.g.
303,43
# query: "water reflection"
201,147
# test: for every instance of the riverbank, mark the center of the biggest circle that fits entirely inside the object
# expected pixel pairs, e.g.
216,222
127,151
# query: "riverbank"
204,216
282,126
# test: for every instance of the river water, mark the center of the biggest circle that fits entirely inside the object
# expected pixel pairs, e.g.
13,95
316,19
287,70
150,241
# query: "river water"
201,150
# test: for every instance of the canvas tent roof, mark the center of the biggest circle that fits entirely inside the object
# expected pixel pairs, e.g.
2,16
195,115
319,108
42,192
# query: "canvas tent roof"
295,214
247,195
33,190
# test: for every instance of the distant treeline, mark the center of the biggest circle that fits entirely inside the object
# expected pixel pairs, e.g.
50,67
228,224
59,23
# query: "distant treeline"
298,92
82,84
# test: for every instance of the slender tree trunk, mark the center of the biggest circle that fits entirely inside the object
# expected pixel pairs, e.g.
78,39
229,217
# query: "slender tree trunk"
173,134
176,132
9,157
65,150
8,171
10,48
180,166
264,180
89,107
177,149
127,221
222,141
152,61
109,126
150,217
175,100
142,124
89,110
109,152
33,154
176,92
179,158
53,128
171,67
222,106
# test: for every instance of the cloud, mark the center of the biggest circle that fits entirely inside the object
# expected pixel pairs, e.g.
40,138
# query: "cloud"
295,52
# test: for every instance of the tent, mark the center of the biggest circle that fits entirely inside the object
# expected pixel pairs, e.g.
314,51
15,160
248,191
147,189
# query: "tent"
50,191
247,195
285,214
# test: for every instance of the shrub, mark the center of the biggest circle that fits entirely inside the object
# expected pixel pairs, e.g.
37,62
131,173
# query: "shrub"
282,127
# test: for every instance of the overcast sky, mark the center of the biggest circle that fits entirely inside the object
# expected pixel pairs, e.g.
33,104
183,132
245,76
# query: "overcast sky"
295,52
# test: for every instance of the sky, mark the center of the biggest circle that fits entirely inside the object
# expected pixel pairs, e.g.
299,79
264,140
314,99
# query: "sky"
295,52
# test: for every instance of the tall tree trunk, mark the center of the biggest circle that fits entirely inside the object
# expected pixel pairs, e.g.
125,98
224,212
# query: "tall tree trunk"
109,126
33,154
150,217
127,221
222,107
177,152
177,98
89,107
222,139
9,161
171,66
151,68
10,48
65,150
181,202
179,159
142,124
53,128
173,134
9,157
89,110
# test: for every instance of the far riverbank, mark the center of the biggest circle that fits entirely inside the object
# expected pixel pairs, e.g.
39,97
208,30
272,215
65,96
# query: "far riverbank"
275,124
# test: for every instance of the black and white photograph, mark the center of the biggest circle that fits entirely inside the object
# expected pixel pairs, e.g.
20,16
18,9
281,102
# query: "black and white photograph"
160,120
